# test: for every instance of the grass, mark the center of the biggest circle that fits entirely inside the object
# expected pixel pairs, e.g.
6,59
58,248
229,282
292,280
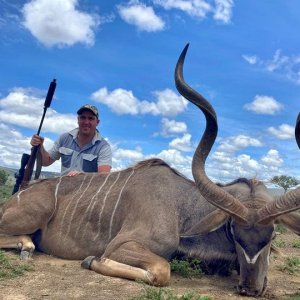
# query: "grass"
11,268
294,297
280,228
186,268
291,265
296,244
279,243
151,293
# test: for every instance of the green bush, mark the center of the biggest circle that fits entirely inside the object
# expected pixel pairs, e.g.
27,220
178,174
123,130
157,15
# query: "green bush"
3,177
5,193
186,268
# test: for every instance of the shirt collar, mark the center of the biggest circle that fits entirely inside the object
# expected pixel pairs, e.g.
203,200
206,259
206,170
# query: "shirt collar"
97,136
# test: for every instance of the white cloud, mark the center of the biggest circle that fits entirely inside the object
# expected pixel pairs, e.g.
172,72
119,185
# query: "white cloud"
251,59
236,143
196,8
221,156
272,159
264,105
14,144
24,107
247,163
123,158
223,10
283,132
182,144
121,101
59,22
134,155
176,160
171,127
283,65
141,16
169,103
287,66
225,166
277,62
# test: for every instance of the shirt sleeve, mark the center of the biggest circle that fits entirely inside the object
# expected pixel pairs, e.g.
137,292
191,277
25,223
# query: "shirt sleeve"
105,156
53,152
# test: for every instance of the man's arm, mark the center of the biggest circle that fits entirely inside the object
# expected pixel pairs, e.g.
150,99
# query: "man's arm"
46,159
104,169
105,159
37,140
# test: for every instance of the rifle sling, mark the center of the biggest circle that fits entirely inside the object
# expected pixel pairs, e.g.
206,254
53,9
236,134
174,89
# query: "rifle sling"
38,164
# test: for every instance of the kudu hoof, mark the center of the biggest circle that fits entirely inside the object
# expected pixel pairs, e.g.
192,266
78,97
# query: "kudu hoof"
86,263
25,255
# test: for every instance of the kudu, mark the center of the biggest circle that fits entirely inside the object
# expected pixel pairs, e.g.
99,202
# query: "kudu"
129,223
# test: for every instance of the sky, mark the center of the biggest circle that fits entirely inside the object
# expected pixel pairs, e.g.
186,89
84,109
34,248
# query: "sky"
244,57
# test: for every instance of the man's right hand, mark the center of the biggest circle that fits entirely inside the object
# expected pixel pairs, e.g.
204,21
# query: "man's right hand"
36,140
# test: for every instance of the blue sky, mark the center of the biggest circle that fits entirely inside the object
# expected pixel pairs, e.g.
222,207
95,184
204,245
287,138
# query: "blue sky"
244,57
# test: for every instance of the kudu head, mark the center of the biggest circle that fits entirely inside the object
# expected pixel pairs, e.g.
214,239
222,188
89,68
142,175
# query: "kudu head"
252,227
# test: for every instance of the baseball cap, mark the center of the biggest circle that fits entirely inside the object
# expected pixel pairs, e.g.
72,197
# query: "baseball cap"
93,109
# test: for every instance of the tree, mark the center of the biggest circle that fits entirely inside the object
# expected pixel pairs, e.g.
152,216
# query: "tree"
285,182
3,177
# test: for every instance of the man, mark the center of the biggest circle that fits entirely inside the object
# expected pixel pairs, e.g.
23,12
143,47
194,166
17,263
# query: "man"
82,149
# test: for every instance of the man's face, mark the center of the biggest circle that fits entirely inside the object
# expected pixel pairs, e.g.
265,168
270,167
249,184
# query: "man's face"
87,123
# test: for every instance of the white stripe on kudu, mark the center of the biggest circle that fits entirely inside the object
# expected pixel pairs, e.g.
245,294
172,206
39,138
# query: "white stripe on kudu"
55,195
76,204
117,203
70,202
90,208
104,201
95,202
19,194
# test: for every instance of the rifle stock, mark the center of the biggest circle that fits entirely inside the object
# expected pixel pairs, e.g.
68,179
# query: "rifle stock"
20,174
29,167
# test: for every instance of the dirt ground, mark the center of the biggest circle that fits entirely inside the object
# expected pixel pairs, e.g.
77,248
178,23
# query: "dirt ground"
54,278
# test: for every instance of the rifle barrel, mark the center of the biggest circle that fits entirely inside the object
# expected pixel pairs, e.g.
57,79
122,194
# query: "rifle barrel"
50,93
30,164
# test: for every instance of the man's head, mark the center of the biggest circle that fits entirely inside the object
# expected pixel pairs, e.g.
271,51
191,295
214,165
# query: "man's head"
87,107
88,119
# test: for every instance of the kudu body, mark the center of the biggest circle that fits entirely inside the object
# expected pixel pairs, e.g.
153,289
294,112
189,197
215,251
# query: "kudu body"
129,223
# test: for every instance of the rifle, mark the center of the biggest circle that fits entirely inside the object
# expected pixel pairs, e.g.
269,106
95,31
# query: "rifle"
27,162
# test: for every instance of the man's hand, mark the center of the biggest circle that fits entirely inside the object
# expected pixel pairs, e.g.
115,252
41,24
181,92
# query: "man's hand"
36,140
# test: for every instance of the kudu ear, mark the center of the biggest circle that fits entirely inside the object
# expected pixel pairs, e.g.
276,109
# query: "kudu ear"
291,221
210,223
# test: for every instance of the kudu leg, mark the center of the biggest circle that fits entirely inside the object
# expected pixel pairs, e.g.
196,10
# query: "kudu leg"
15,229
22,242
132,261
